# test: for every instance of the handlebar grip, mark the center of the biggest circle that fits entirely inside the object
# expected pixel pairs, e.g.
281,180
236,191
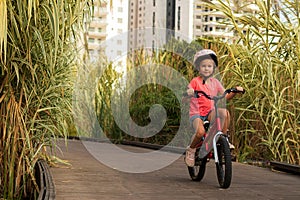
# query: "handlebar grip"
238,91
234,90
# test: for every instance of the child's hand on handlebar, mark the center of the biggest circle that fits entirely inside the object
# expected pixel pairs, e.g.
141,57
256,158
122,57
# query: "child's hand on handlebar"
233,92
190,92
239,88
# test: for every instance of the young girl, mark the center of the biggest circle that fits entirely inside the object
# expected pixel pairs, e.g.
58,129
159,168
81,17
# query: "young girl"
201,109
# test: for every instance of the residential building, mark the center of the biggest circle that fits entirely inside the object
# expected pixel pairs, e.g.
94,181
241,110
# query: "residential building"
194,19
149,21
184,19
126,25
97,30
107,32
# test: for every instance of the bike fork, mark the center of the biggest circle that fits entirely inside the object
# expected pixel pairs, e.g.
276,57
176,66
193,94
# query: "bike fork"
216,137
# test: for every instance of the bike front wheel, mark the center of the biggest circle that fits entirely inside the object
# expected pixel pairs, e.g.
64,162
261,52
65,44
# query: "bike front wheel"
197,172
224,166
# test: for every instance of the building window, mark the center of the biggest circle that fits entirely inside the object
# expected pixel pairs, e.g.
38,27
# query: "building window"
120,9
91,29
91,40
153,19
153,44
153,23
120,20
178,22
219,19
99,19
154,3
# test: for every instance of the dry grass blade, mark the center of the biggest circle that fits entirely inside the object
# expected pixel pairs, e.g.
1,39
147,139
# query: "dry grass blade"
3,30
265,61
37,68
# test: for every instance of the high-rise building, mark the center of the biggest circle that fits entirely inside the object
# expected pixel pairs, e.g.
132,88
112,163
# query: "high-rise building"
149,19
107,29
184,19
170,16
97,28
194,19
151,23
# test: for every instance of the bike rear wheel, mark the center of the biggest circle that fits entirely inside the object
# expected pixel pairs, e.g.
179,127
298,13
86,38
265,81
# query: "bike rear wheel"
224,166
197,172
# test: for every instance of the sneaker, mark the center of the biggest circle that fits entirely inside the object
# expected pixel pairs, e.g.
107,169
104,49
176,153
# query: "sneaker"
190,157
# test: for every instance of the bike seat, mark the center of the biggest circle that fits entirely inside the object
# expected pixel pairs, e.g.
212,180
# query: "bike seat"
206,125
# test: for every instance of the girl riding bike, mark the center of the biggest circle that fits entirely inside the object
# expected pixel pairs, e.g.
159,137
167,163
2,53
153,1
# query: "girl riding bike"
201,109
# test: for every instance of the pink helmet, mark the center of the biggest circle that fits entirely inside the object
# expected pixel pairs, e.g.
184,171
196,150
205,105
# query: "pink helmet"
204,54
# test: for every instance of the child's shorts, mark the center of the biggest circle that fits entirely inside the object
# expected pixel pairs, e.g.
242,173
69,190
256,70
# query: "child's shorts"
203,118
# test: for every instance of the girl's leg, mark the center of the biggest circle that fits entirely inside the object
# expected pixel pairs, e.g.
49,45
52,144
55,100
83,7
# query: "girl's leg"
190,152
224,118
199,132
225,121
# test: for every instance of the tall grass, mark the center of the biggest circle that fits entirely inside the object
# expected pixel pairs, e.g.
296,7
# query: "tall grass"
37,65
177,55
106,87
141,100
265,60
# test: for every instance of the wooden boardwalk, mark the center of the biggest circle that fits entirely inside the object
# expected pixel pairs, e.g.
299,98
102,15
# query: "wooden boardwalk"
89,179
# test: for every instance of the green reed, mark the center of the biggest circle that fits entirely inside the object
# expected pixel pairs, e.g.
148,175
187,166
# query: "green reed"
37,68
265,60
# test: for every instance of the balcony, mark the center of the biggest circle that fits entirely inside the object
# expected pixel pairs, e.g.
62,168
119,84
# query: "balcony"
100,12
97,22
97,35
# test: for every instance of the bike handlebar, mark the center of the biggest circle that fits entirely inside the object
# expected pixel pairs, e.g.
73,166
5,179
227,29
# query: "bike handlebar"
233,90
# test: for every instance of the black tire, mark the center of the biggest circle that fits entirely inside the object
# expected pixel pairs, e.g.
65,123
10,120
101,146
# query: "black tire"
224,166
197,172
